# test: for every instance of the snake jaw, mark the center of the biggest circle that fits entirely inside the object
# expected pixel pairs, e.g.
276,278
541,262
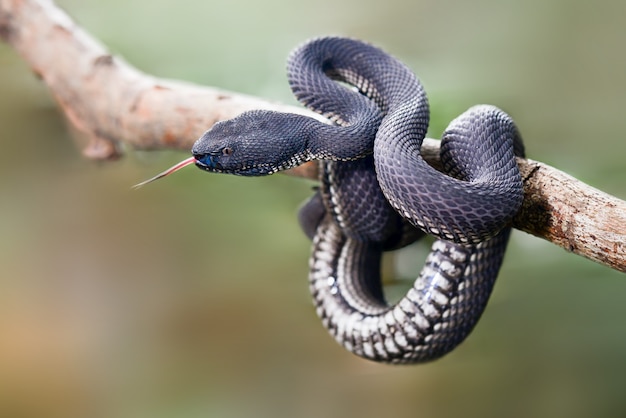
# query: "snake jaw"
219,162
209,162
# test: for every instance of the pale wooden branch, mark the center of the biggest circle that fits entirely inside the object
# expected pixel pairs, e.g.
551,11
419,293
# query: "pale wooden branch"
107,99
112,103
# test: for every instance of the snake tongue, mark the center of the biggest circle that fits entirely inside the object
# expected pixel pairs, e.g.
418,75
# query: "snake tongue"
175,167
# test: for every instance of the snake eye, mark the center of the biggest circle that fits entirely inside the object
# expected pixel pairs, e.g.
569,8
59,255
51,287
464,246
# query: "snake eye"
227,151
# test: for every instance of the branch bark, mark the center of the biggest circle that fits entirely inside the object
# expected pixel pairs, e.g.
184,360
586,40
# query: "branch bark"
112,103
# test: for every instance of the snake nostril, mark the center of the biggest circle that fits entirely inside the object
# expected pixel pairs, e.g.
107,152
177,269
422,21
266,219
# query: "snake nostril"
198,155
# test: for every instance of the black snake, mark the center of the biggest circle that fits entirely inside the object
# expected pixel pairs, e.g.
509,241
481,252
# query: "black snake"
376,191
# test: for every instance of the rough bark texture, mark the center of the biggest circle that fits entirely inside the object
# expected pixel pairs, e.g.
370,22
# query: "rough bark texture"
573,215
113,103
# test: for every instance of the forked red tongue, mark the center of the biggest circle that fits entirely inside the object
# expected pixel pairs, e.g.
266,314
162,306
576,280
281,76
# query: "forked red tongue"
176,167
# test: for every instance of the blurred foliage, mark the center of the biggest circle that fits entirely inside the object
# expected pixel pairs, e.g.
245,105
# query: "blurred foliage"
189,298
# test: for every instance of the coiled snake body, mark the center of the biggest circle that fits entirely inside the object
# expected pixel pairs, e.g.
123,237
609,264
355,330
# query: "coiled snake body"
377,193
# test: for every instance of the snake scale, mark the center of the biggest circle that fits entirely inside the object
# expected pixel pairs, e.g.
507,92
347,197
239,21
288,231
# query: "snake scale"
377,193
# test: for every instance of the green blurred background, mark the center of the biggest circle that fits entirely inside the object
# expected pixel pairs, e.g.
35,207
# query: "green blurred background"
189,298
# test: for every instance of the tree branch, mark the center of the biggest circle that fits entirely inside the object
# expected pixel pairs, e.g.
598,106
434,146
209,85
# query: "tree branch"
113,103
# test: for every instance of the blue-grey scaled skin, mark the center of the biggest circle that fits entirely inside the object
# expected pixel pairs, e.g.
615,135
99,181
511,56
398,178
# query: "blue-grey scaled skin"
377,193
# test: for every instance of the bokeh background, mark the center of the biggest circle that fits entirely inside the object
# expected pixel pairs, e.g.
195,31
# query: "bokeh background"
189,298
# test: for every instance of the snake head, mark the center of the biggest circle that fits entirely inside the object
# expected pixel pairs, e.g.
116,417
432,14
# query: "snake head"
255,143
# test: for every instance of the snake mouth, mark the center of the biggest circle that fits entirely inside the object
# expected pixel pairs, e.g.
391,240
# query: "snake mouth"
212,163
208,162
